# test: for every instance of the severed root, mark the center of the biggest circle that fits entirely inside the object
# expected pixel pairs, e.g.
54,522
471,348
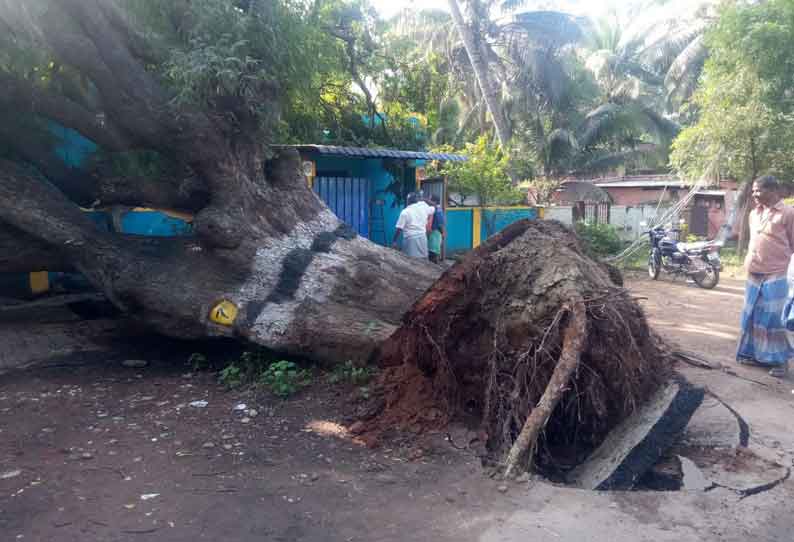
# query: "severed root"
574,338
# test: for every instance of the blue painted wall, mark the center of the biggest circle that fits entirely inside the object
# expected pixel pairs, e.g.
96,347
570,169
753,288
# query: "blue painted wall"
460,225
155,224
73,148
495,220
374,170
458,231
348,198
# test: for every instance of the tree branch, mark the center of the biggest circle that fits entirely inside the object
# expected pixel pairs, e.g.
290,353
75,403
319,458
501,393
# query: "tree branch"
140,46
92,188
39,209
23,253
22,96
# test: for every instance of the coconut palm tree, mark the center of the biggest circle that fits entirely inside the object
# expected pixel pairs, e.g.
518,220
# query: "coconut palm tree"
477,53
653,47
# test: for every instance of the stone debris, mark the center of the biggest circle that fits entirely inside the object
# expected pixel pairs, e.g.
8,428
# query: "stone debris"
10,474
135,363
637,443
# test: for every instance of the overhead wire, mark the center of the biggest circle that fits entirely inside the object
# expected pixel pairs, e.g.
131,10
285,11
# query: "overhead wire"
668,215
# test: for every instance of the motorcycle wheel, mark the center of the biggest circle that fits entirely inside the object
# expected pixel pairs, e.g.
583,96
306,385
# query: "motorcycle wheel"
653,266
708,280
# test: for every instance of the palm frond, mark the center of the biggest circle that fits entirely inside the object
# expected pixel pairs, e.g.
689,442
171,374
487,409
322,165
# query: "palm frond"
512,5
662,48
665,129
598,162
597,123
539,72
635,69
561,146
613,120
684,72
552,29
603,34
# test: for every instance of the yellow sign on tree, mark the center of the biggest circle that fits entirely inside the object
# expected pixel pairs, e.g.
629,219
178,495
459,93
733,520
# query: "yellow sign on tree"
224,313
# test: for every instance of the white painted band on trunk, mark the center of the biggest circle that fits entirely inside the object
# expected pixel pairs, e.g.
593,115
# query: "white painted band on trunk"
265,273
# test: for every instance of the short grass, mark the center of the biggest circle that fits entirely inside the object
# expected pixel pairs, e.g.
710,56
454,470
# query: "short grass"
732,264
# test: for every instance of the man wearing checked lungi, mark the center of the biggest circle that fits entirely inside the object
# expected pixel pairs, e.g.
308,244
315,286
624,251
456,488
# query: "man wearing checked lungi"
764,340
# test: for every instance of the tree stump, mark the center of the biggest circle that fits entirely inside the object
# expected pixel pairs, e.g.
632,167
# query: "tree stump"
490,335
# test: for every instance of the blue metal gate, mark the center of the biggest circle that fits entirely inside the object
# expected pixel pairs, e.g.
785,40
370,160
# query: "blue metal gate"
348,198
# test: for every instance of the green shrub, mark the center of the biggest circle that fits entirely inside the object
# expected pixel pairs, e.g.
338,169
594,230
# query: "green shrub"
231,376
198,362
599,239
284,378
261,367
348,372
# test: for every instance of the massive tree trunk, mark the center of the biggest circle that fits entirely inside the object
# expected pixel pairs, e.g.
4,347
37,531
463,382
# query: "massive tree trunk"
301,281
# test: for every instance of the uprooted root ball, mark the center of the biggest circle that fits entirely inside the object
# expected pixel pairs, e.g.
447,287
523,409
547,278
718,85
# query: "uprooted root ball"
486,338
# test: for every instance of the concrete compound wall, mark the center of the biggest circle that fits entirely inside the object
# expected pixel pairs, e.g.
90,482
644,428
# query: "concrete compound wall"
625,218
561,213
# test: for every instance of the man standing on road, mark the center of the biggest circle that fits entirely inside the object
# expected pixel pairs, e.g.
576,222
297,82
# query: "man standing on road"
764,340
412,224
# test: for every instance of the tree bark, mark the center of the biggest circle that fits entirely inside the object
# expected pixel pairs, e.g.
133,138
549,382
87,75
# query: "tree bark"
317,290
744,203
22,253
21,96
93,188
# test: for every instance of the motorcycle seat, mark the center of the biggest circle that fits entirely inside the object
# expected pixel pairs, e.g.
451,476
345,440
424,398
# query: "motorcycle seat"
697,246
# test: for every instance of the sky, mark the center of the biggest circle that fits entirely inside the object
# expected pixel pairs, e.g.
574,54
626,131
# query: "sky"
387,8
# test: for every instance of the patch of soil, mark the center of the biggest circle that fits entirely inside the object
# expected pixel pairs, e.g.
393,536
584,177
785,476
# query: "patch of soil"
106,452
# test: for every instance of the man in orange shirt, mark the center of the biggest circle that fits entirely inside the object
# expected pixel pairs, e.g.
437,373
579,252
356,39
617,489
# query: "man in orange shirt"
764,339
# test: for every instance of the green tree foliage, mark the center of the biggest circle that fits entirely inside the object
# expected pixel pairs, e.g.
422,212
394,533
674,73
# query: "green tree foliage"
483,175
332,72
599,240
743,107
323,62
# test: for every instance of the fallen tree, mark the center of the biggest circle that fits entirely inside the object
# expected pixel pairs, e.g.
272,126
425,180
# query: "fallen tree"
532,338
301,281
487,337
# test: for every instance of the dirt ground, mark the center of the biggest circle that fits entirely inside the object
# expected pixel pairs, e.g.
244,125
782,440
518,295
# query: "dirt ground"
101,452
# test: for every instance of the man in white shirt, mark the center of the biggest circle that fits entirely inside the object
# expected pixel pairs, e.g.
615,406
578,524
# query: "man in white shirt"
413,225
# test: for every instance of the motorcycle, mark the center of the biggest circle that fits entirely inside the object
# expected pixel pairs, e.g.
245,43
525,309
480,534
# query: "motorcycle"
699,261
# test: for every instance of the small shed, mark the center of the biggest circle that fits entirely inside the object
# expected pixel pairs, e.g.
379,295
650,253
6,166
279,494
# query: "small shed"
367,187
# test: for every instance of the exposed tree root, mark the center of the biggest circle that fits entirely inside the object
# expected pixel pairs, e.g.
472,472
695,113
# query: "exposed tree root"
526,332
523,450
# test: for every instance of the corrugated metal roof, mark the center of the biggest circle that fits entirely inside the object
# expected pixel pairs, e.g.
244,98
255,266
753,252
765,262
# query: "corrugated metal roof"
710,193
363,152
662,177
642,184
